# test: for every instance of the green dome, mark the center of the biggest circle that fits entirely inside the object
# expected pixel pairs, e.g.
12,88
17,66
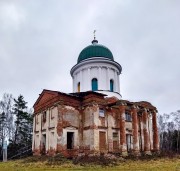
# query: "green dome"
95,50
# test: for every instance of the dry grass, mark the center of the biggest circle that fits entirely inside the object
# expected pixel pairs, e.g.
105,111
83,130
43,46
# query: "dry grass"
44,164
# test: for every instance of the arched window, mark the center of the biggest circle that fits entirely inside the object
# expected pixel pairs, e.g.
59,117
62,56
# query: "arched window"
94,84
79,87
111,85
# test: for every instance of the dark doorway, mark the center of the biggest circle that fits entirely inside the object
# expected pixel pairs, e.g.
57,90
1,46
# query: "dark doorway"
70,140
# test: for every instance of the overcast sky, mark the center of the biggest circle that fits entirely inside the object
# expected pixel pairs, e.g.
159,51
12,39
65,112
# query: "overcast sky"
40,41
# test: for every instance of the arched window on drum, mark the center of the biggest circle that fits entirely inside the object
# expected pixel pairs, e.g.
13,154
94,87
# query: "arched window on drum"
111,85
79,87
94,84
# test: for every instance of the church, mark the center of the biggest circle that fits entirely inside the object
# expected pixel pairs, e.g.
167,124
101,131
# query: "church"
93,118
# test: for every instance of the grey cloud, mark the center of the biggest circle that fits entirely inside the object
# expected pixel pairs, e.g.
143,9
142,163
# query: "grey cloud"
41,40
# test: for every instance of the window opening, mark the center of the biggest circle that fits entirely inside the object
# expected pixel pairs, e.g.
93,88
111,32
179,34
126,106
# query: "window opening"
94,84
111,85
44,116
70,140
101,113
115,135
79,87
128,117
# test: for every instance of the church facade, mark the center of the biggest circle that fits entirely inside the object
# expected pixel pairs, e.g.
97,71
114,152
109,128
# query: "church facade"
94,118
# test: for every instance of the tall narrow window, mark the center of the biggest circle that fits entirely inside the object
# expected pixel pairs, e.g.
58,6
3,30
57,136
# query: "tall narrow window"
111,85
79,87
94,84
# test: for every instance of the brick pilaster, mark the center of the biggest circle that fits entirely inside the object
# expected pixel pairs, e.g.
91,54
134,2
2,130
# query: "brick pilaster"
135,130
123,145
155,132
146,132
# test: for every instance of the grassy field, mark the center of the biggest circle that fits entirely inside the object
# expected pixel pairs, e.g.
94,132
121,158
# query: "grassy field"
164,164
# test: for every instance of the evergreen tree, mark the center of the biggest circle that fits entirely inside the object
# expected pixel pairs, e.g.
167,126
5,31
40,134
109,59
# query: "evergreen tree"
23,123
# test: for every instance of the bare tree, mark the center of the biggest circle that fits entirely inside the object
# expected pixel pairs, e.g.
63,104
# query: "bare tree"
177,123
6,118
169,131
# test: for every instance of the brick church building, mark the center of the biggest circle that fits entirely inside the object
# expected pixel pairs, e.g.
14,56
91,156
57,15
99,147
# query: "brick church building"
94,118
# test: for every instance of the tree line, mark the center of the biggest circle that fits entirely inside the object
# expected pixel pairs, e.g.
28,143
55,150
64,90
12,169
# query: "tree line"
15,124
169,132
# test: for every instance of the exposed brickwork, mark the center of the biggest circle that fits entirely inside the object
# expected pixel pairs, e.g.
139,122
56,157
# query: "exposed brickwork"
80,116
155,132
49,98
110,100
146,132
59,128
60,148
102,120
36,152
135,130
123,147
81,124
51,151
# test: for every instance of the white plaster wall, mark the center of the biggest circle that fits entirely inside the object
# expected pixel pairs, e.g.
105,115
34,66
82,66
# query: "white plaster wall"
51,122
37,141
128,125
88,117
53,117
88,138
72,116
103,70
52,140
37,131
111,121
103,79
45,124
96,139
38,122
33,138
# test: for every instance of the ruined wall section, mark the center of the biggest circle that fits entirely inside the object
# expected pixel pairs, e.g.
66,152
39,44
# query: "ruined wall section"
68,122
91,122
89,127
46,120
113,129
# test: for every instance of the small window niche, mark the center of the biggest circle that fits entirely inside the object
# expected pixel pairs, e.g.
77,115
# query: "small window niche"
94,84
128,117
79,87
36,118
111,85
52,113
101,113
44,116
